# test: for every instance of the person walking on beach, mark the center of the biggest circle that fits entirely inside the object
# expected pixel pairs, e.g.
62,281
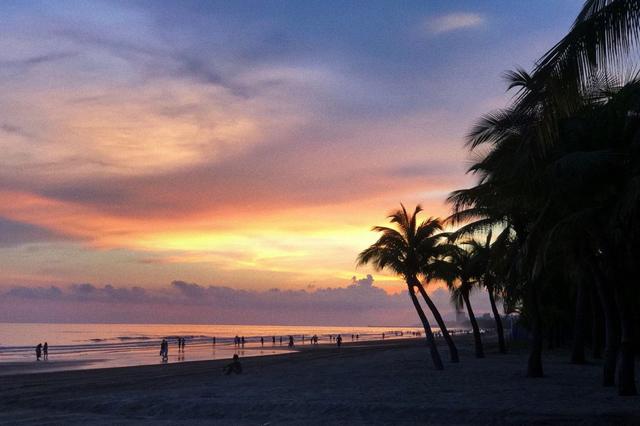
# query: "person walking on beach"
236,341
262,341
273,339
339,340
214,340
38,351
45,351
164,349
242,340
291,341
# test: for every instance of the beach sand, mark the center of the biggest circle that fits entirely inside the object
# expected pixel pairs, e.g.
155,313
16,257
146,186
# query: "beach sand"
389,382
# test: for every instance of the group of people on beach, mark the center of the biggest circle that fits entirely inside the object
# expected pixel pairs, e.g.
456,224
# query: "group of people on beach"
238,341
181,343
164,347
42,351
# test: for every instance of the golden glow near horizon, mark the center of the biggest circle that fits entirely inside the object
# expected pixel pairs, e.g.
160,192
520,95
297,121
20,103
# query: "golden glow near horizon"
141,147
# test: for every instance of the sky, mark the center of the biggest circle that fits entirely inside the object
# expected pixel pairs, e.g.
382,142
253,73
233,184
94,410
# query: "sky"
247,146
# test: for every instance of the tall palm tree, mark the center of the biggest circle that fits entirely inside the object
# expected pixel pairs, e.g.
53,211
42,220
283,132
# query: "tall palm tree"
563,164
400,251
461,282
488,260
433,267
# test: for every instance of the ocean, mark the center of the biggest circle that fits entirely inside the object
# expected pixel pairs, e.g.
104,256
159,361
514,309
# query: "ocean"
81,346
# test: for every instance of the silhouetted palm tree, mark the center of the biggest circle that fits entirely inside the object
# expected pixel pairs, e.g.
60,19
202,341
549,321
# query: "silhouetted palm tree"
400,251
461,281
489,261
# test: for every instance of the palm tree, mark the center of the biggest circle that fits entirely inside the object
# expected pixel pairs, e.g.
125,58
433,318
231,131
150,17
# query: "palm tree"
400,251
488,260
461,282
563,167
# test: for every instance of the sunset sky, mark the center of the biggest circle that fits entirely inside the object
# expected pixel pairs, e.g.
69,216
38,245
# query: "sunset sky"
240,144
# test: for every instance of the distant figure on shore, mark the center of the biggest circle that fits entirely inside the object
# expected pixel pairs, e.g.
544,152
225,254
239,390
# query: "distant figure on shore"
164,349
273,339
357,337
339,340
262,341
236,340
382,336
280,340
291,341
45,351
303,339
234,366
242,339
214,340
38,351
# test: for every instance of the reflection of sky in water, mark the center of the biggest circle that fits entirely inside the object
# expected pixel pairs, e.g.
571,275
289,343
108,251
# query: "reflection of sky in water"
117,345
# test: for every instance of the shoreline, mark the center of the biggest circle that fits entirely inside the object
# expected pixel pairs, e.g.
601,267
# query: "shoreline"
13,368
361,383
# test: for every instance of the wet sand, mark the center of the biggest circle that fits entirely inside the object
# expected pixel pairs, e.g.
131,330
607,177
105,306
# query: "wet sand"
389,382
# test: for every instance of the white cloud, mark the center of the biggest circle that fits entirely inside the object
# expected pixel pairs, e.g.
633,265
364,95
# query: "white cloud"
454,21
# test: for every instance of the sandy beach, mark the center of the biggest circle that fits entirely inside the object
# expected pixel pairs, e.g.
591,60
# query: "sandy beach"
386,382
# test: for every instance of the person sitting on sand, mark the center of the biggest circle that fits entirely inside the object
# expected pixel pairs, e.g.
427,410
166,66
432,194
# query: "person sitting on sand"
234,366
45,350
38,351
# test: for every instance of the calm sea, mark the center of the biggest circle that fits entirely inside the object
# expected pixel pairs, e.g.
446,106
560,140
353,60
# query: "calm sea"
77,346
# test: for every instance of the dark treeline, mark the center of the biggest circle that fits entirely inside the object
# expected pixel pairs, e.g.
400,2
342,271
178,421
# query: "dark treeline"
559,187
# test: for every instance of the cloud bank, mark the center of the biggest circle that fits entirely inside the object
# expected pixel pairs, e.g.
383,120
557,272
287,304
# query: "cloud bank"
360,303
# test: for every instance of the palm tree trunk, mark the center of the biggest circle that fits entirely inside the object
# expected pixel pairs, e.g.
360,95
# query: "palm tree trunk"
474,326
596,324
612,328
453,350
431,341
534,365
496,315
626,363
577,353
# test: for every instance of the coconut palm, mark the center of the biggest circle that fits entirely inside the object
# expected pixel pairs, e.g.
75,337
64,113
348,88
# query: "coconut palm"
488,260
569,206
461,281
400,251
